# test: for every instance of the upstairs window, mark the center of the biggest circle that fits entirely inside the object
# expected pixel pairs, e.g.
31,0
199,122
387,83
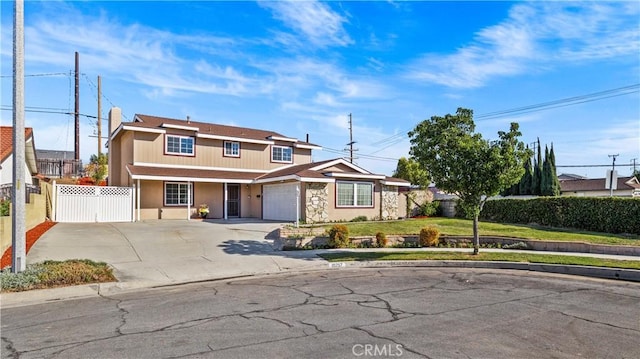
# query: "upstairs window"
231,149
179,145
282,154
354,194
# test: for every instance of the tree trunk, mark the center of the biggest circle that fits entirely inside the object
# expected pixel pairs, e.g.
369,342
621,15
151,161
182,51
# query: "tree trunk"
476,235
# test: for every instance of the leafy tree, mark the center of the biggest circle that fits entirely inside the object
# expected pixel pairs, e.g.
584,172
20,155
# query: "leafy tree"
412,171
97,168
636,174
462,162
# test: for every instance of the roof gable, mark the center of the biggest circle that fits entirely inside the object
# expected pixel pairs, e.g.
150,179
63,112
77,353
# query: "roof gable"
6,146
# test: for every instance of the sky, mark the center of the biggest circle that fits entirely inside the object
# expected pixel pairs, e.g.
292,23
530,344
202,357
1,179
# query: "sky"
568,72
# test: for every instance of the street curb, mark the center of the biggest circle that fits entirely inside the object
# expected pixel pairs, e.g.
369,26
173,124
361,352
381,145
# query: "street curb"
632,275
42,296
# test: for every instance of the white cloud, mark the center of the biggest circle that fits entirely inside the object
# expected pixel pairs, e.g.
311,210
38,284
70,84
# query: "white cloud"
315,20
532,37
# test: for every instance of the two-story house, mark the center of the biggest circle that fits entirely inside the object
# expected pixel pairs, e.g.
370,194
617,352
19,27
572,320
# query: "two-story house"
178,165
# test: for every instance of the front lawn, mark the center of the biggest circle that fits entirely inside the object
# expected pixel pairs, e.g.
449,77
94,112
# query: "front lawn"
464,227
482,256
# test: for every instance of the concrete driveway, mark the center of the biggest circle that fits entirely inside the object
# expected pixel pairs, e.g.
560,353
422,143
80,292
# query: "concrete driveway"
173,251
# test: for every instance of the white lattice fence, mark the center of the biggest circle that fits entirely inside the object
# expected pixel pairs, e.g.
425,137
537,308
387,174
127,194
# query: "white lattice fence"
93,204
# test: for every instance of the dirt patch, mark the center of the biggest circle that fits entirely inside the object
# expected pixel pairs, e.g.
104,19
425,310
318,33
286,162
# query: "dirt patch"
32,236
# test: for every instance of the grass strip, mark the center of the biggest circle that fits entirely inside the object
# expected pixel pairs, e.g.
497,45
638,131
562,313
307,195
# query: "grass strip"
486,256
50,274
464,227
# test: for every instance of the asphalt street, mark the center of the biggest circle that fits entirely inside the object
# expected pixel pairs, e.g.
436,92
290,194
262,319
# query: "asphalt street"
342,313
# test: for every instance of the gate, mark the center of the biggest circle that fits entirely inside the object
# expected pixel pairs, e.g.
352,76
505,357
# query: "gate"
75,203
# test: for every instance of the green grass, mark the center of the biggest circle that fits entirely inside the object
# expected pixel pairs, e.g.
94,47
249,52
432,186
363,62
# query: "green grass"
464,227
50,274
486,256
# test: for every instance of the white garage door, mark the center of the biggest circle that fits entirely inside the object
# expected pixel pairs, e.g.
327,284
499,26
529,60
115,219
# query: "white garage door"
279,202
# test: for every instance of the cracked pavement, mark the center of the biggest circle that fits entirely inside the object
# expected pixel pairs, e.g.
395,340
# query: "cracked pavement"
339,313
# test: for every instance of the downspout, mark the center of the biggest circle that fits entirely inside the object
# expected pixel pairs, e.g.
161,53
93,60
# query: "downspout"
188,200
138,198
224,204
297,204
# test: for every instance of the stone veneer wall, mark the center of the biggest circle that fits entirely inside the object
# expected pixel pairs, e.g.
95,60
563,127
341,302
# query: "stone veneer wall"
317,203
389,202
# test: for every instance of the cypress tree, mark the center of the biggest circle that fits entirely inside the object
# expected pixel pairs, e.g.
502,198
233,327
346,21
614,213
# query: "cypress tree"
525,181
537,173
545,183
555,182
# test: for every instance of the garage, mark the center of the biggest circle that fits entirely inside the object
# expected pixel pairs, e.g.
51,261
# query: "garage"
279,202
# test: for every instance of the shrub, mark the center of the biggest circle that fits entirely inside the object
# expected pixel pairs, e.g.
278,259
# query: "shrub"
359,219
429,236
339,236
430,209
5,207
598,214
381,240
53,273
517,245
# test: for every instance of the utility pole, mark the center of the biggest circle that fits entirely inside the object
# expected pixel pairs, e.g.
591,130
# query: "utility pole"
77,109
351,142
18,190
634,165
99,118
613,170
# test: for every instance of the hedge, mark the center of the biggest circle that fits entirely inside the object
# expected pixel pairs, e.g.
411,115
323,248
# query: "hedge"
598,214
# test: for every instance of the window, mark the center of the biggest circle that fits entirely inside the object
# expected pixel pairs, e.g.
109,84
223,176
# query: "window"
176,194
281,154
231,149
179,145
354,194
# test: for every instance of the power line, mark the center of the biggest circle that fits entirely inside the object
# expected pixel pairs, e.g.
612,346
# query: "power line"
41,75
595,96
51,111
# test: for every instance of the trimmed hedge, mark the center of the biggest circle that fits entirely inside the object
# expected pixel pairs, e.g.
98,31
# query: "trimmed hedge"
598,214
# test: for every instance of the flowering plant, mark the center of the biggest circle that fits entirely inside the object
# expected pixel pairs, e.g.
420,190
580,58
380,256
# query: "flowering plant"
203,210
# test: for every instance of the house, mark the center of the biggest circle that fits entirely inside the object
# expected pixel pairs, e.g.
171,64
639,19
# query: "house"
569,177
178,165
6,157
58,164
595,187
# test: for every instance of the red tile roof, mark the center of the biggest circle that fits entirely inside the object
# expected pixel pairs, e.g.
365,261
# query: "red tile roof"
6,140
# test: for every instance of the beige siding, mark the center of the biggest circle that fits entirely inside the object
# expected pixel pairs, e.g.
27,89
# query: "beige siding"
149,148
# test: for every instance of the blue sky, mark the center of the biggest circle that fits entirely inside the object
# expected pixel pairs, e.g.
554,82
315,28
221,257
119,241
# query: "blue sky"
300,68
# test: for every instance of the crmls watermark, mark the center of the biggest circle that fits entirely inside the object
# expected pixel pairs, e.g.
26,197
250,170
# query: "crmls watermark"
375,350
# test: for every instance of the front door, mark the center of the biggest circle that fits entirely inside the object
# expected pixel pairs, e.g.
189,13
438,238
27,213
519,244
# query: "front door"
233,200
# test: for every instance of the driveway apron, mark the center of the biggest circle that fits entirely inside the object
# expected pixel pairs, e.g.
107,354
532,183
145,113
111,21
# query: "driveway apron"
172,251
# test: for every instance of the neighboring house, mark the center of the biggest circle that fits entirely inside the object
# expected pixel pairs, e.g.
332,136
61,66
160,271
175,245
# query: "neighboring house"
626,187
6,156
569,177
58,164
178,165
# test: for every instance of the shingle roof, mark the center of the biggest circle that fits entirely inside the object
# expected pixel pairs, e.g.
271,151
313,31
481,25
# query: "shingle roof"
148,121
173,173
6,140
55,154
595,184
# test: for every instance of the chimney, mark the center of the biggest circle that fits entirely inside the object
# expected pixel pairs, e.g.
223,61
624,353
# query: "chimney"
115,119
188,119
307,138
